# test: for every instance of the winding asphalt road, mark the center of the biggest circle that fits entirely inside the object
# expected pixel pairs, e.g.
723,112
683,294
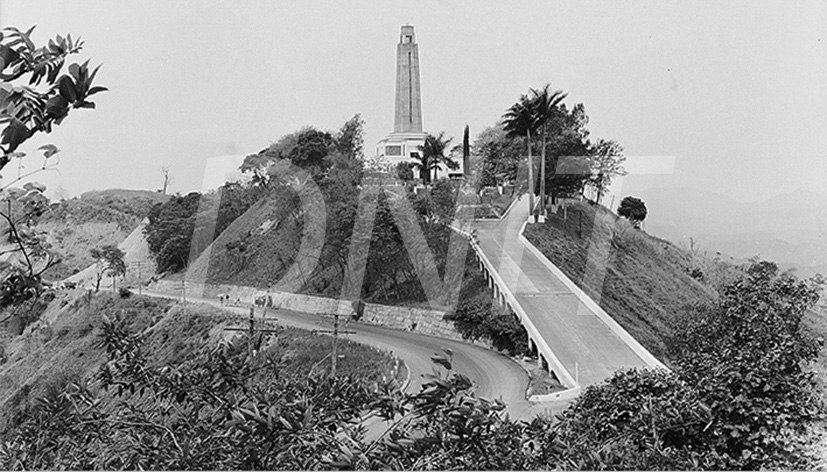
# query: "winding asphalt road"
493,374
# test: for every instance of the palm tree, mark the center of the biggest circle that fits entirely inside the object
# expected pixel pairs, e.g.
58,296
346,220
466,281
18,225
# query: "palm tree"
432,154
519,120
544,105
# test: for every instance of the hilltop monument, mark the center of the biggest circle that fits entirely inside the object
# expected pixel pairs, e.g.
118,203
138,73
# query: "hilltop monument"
402,145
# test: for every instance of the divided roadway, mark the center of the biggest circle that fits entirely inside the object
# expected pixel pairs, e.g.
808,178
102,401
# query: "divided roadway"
587,347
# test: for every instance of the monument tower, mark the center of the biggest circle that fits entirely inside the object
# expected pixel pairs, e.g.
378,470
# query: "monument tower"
408,111
402,145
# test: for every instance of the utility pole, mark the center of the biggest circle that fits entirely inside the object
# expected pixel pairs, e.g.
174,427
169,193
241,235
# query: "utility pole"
336,332
251,330
139,265
183,288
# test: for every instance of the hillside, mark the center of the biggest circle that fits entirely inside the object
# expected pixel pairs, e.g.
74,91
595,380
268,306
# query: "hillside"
645,281
256,249
276,236
63,347
139,262
93,219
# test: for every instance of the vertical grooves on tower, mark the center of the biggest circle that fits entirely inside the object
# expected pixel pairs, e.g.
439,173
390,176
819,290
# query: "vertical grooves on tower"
410,89
408,111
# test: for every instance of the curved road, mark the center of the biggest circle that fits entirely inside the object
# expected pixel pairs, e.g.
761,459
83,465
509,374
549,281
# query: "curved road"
493,374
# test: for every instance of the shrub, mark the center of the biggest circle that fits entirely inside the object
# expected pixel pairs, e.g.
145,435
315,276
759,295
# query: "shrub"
637,419
748,358
477,316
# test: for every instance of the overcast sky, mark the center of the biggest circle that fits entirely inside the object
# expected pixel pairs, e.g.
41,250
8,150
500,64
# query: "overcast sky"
736,92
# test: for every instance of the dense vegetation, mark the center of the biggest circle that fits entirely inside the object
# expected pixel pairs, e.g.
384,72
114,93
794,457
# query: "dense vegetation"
478,317
740,397
135,339
169,232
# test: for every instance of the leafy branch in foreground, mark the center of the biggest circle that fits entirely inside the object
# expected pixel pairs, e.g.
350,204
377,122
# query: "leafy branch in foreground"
35,96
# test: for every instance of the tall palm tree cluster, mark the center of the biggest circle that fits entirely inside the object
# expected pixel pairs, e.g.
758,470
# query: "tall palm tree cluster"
528,116
432,155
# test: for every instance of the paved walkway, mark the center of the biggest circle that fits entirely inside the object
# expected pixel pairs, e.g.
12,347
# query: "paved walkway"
586,346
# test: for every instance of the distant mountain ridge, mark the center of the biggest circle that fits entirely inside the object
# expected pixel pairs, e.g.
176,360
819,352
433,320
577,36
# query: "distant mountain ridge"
790,229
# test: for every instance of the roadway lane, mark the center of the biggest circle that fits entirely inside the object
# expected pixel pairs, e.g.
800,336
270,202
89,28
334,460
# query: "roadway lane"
494,375
586,346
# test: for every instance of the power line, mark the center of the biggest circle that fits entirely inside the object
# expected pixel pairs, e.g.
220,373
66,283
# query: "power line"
139,265
252,330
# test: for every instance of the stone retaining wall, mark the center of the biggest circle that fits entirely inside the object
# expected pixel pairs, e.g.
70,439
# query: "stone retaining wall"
420,320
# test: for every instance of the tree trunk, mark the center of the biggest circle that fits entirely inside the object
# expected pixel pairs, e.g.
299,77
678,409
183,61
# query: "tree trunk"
530,176
543,175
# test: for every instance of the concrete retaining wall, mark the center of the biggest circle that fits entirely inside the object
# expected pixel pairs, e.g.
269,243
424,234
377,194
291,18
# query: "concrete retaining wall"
419,320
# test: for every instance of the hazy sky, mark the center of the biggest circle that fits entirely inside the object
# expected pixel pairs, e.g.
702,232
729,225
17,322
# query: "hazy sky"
737,92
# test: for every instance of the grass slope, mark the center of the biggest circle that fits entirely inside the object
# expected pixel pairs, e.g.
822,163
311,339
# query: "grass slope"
64,347
645,281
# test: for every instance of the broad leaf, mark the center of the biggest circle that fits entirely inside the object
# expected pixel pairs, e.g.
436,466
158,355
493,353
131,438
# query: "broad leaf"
67,88
49,150
15,133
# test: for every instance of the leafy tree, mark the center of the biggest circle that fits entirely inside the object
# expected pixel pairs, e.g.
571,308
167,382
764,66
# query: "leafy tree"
500,156
34,97
520,120
341,193
404,171
169,231
350,138
748,355
606,162
257,164
311,148
633,209
568,151
476,316
109,259
544,106
637,420
25,110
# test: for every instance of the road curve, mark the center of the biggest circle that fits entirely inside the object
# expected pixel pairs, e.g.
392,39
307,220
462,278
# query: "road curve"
494,375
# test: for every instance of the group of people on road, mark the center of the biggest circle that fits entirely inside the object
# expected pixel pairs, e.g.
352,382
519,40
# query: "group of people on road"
224,299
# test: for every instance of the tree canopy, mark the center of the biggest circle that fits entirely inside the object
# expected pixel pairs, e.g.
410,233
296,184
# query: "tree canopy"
109,258
633,209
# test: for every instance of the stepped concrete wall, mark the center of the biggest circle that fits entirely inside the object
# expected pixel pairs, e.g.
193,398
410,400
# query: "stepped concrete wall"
419,320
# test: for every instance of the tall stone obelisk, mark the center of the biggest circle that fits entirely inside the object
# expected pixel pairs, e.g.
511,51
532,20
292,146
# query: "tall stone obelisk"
408,110
404,144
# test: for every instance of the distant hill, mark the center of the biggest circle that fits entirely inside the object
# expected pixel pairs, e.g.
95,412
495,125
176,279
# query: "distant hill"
95,218
790,229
